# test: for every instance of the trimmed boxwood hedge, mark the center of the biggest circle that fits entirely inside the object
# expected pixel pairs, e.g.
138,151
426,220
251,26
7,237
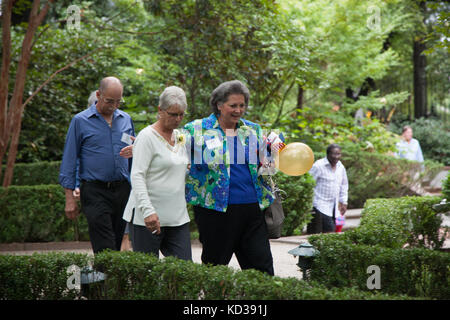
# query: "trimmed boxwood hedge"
414,272
36,214
132,275
395,223
387,227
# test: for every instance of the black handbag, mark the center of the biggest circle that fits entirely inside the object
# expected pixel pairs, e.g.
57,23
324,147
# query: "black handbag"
274,215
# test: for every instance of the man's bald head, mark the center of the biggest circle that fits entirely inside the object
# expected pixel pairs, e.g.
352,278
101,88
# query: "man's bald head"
109,95
108,81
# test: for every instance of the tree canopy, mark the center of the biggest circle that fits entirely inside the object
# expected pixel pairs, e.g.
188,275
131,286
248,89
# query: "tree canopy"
311,65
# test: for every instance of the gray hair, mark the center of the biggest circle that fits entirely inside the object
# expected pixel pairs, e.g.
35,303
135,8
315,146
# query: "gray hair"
220,94
92,98
172,96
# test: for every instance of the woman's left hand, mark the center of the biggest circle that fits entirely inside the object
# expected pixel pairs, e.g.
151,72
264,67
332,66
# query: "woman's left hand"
152,223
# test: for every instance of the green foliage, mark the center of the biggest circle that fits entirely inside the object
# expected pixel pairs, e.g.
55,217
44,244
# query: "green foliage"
47,116
36,214
433,136
297,200
337,127
415,272
372,175
446,188
39,276
132,275
387,226
395,222
30,174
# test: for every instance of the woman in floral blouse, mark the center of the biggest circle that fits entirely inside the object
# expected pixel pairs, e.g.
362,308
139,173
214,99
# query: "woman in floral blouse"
223,182
160,220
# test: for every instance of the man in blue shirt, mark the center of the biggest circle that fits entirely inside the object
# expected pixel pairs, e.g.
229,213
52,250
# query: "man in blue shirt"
95,139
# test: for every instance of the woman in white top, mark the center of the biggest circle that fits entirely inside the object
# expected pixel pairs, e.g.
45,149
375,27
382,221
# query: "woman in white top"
160,220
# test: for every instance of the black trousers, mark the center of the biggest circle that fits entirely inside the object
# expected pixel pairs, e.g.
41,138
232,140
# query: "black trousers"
103,205
321,223
172,241
240,230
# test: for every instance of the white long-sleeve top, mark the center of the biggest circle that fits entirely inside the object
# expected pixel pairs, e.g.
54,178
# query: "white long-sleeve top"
158,180
331,186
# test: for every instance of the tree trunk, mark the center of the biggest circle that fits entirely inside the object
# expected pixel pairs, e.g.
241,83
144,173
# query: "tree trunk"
420,76
13,120
4,73
300,95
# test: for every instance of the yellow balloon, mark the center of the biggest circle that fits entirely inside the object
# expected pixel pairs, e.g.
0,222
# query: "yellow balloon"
295,159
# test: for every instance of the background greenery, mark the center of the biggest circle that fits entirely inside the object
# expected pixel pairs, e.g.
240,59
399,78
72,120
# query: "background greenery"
310,66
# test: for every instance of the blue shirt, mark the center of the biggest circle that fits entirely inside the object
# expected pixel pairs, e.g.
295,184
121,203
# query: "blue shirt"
409,150
97,146
242,189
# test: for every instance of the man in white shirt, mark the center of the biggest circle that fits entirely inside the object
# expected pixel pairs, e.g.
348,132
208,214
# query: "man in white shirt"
408,147
331,191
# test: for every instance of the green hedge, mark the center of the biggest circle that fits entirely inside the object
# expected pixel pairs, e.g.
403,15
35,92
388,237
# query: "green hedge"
414,272
387,225
36,214
297,201
395,222
37,277
37,173
132,275
373,176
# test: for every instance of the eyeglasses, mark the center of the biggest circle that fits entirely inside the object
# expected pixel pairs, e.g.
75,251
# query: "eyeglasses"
113,101
175,115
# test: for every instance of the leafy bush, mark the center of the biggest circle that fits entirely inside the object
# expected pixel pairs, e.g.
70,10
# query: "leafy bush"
37,277
446,188
373,175
297,201
415,272
395,222
30,174
132,275
35,214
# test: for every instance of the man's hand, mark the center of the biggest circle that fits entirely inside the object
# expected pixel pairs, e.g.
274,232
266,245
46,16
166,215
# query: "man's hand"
127,152
152,224
342,208
71,207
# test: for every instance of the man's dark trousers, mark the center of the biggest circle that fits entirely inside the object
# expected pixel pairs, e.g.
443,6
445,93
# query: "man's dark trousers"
321,223
103,204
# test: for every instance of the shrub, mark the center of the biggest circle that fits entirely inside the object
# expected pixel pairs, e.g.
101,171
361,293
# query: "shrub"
373,175
35,214
415,272
395,222
446,188
297,201
36,173
132,275
37,277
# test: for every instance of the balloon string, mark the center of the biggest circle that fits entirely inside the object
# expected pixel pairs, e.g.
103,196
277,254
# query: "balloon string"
275,188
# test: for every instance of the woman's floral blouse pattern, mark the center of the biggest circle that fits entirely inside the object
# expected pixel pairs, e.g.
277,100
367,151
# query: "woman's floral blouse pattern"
208,182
